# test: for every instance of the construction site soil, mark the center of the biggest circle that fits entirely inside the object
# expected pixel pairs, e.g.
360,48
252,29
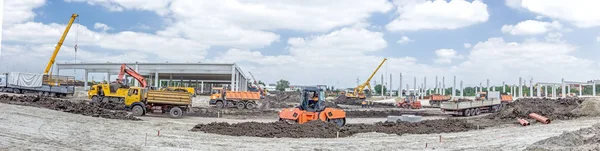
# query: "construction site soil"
104,110
320,129
583,139
561,109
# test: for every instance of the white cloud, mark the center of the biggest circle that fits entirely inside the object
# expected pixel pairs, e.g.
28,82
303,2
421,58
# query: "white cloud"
101,27
531,27
165,48
404,40
598,38
18,11
467,45
445,56
513,3
554,37
582,13
160,6
438,14
539,17
545,61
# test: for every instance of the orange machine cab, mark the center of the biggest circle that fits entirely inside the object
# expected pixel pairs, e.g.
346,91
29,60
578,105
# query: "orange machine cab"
313,109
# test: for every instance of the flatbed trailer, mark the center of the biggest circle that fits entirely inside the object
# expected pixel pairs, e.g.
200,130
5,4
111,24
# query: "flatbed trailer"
52,86
492,103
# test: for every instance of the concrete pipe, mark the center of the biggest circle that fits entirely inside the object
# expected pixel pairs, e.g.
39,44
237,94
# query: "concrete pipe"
523,122
539,118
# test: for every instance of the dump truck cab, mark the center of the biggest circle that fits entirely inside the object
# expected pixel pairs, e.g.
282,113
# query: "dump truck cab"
312,107
216,94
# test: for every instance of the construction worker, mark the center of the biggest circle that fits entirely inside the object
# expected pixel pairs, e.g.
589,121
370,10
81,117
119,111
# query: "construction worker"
364,104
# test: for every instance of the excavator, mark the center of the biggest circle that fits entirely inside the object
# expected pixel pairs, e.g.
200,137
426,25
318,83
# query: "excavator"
312,107
117,90
359,91
262,91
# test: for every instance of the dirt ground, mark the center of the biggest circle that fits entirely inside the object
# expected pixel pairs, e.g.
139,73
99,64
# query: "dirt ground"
23,128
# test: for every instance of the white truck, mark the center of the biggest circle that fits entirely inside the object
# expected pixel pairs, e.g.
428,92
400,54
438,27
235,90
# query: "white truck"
51,86
491,103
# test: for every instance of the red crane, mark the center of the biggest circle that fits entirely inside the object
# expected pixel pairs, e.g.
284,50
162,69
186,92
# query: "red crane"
132,73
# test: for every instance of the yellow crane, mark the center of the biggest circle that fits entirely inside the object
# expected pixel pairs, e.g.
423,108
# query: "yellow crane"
359,90
60,42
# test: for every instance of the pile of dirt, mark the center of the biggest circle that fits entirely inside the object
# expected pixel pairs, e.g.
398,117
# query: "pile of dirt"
347,101
554,109
83,108
108,105
213,112
319,129
280,100
384,113
583,139
590,107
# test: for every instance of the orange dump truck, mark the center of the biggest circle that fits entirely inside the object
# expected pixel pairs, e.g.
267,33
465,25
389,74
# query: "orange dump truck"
436,99
222,98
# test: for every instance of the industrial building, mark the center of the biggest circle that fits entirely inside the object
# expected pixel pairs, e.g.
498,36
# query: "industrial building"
201,75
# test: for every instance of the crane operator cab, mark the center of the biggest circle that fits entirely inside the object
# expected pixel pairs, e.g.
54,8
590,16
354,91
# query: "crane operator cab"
312,107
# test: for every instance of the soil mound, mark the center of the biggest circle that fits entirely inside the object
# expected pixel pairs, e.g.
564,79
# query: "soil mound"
280,100
319,129
343,100
554,109
583,139
83,108
385,113
213,112
108,105
590,107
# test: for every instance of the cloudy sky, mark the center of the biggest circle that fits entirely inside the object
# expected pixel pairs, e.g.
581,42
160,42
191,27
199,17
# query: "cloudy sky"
308,42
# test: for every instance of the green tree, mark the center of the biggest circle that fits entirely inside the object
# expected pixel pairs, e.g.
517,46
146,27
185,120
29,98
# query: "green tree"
261,83
378,89
282,84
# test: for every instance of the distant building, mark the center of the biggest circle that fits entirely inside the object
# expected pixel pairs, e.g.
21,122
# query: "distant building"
271,87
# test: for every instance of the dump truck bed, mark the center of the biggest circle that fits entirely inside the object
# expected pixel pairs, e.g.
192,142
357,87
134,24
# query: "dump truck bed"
440,97
459,105
234,95
170,98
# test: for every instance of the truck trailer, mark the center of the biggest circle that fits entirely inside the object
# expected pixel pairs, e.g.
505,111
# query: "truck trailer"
491,103
33,83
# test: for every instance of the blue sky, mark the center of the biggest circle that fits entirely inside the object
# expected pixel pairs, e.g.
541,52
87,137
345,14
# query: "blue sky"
323,41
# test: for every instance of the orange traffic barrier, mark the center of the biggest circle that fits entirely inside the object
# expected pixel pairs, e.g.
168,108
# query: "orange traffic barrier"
523,122
539,118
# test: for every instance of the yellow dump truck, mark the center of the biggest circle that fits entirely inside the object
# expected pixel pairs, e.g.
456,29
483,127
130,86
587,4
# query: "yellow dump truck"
141,101
113,92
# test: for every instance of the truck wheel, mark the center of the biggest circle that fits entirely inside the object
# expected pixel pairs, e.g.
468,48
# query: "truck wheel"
467,112
137,110
95,99
241,105
477,112
250,105
175,112
219,104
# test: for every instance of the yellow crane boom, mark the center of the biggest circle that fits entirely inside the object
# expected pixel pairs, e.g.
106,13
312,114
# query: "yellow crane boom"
60,42
360,88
